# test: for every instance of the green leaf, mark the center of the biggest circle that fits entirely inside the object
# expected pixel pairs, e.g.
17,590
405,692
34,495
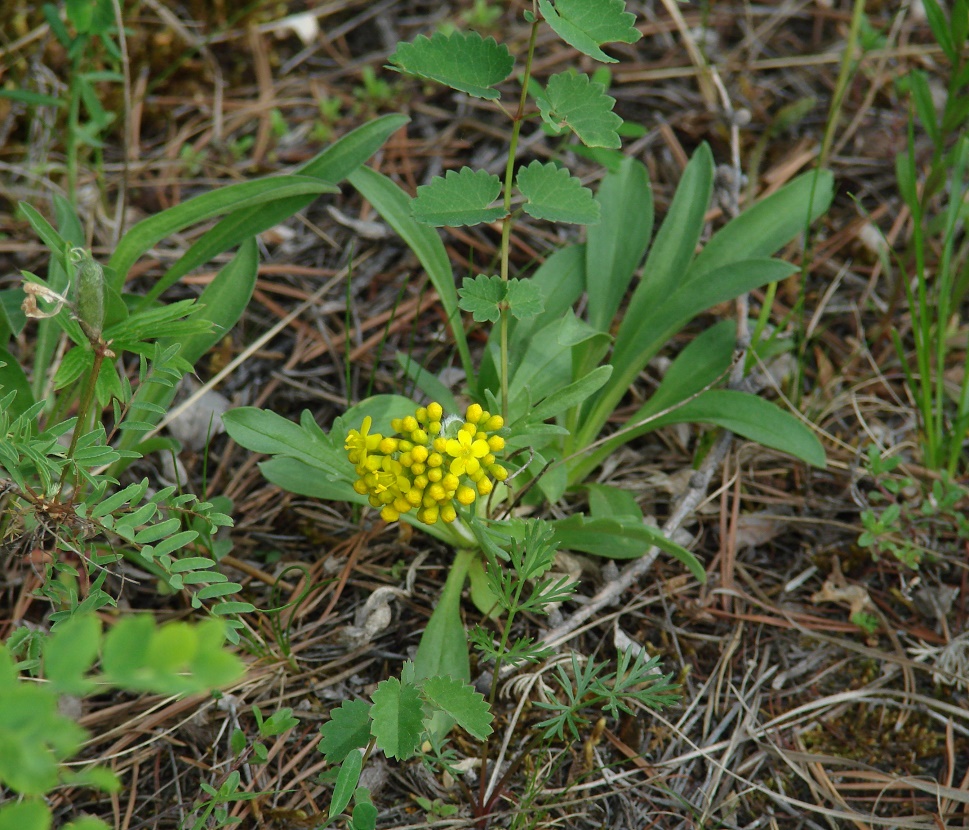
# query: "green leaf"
609,502
27,815
13,379
152,230
364,815
347,729
443,649
485,296
587,24
70,652
346,783
523,298
554,194
461,702
616,245
753,418
397,716
482,296
581,105
571,395
460,198
333,164
620,539
462,60
25,96
763,229
394,206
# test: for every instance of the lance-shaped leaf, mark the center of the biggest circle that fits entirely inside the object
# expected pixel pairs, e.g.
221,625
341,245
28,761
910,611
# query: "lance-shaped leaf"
576,102
587,24
460,198
462,60
552,193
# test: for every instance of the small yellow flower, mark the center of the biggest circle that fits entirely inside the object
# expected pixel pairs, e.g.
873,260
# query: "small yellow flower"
465,451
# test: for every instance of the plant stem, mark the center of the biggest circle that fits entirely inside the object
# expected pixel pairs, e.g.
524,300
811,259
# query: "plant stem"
506,222
87,397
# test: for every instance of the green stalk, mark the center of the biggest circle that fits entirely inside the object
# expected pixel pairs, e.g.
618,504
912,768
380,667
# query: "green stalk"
506,223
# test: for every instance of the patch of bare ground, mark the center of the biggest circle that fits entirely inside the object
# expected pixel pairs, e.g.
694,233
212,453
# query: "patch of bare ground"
792,716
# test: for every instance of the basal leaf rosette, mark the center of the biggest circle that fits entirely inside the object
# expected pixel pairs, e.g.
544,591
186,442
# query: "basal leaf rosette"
429,463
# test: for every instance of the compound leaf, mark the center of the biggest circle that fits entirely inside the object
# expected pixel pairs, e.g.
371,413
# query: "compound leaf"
347,729
581,105
587,24
524,299
462,60
552,193
397,718
460,700
460,198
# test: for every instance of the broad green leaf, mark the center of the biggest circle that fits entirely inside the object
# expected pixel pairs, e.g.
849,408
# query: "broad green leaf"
13,379
221,305
485,296
571,395
620,539
751,417
264,431
704,360
397,715
581,105
616,245
394,206
70,652
482,297
461,60
461,702
333,164
346,782
347,729
364,815
523,298
609,502
461,197
554,194
660,323
26,815
443,649
587,24
763,229
149,232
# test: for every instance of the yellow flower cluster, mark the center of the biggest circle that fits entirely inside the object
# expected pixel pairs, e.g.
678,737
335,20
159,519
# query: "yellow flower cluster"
427,465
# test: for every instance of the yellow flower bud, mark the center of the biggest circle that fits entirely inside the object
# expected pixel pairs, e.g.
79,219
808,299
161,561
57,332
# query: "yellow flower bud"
466,495
493,423
448,513
484,486
388,446
474,413
388,514
435,411
496,443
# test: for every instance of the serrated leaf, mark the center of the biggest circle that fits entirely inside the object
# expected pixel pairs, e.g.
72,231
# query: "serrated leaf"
462,60
482,297
587,24
460,700
574,102
348,728
524,299
554,194
397,716
460,198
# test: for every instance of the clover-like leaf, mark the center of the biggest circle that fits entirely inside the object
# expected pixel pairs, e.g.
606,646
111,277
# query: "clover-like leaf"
347,729
587,24
398,717
524,299
553,194
482,296
462,60
576,102
460,700
460,198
